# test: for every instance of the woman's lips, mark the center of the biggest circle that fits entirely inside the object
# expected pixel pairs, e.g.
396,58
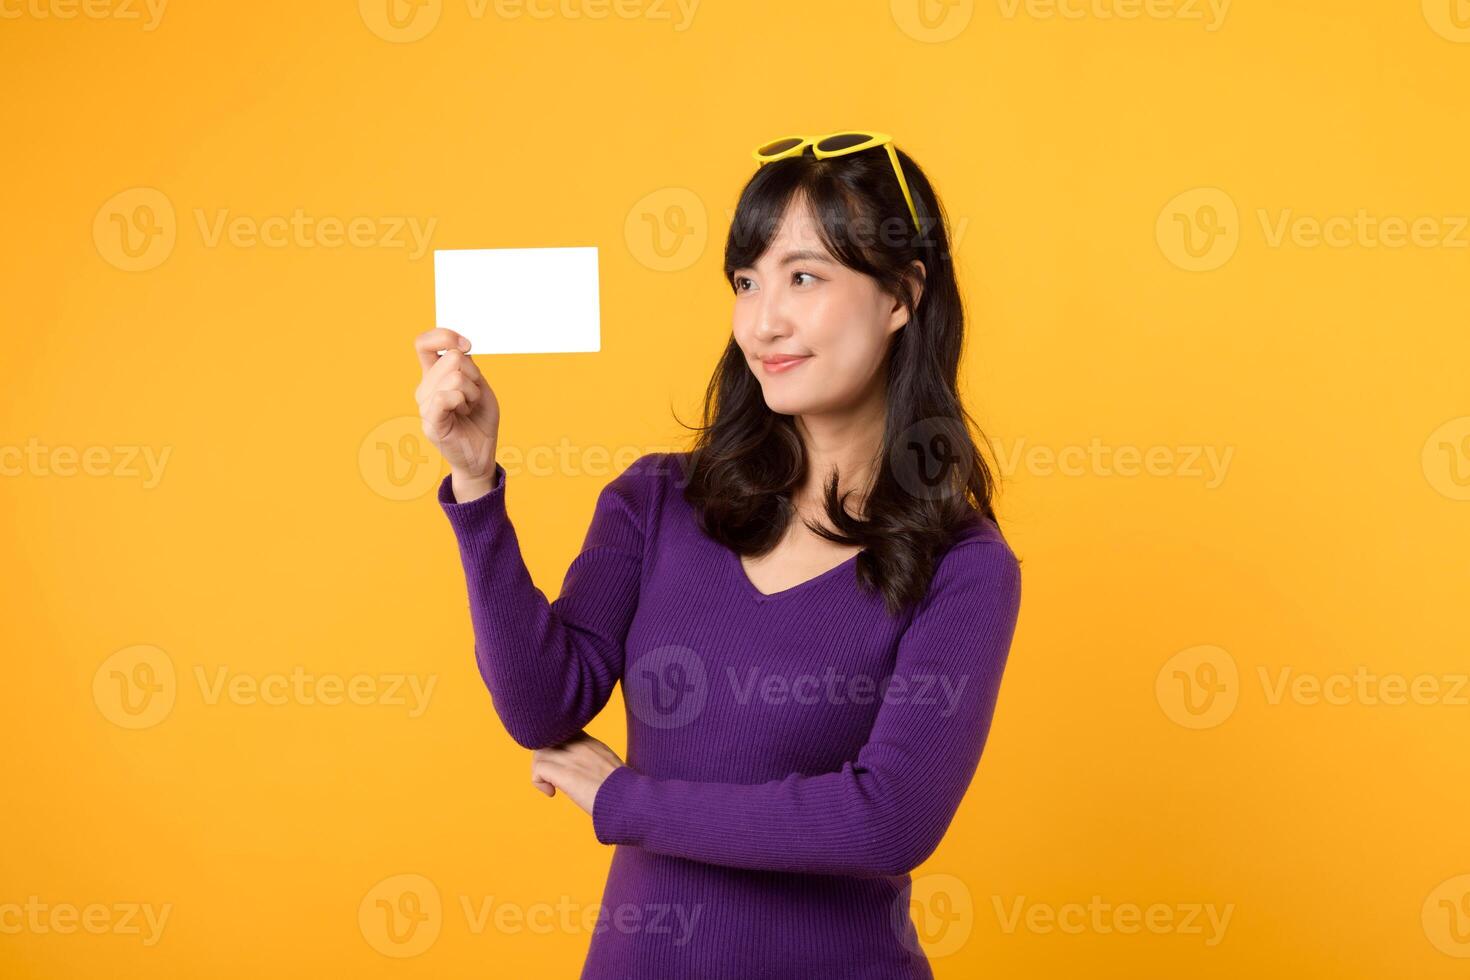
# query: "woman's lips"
776,365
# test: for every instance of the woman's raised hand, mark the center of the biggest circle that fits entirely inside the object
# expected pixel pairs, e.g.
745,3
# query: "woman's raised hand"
460,413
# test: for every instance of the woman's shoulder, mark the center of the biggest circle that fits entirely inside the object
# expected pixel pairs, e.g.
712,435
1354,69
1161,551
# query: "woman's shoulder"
978,552
981,530
651,472
973,601
642,485
660,465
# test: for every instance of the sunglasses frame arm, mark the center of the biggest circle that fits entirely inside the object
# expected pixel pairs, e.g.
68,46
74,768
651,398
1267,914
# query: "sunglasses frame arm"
874,140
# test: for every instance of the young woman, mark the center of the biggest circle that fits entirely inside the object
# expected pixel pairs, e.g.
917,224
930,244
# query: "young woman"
809,611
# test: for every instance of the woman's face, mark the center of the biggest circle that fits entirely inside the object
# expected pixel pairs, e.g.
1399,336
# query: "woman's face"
798,300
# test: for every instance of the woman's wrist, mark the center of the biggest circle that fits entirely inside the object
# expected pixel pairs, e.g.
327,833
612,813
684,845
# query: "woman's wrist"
467,487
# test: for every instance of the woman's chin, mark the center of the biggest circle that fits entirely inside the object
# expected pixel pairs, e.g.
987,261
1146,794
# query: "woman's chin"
787,403
809,407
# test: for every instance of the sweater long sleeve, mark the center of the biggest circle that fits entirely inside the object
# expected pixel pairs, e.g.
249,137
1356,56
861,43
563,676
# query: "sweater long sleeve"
885,811
550,666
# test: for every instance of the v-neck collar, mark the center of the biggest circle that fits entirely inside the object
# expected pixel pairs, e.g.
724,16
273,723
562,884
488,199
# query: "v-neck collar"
759,596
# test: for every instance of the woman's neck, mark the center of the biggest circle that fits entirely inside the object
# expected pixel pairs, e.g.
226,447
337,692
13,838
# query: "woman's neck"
850,443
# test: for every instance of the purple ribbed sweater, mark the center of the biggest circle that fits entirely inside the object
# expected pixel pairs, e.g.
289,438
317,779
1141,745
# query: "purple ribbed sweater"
791,757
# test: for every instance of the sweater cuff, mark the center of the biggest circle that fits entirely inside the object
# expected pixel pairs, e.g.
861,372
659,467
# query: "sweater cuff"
473,513
614,814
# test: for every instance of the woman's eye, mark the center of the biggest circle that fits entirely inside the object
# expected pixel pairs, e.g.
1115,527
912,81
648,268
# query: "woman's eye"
740,281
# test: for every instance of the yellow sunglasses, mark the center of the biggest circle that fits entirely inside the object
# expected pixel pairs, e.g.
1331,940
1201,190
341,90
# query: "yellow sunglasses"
837,145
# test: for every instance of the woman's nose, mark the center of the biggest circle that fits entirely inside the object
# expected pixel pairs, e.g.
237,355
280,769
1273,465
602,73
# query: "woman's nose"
771,319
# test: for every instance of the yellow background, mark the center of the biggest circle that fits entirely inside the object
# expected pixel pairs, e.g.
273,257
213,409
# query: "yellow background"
1334,377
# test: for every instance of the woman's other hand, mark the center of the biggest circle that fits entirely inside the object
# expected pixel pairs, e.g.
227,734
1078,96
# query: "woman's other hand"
577,767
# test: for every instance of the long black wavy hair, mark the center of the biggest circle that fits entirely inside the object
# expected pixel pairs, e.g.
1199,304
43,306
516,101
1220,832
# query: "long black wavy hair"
931,480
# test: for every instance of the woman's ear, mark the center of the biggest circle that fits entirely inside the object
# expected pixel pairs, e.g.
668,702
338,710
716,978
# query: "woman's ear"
915,277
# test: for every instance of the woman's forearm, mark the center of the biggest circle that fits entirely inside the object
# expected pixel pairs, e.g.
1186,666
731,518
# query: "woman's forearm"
550,666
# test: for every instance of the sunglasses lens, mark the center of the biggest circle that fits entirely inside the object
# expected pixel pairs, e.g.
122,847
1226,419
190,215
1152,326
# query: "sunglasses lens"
780,146
842,141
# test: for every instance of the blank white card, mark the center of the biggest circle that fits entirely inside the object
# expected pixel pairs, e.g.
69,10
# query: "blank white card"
519,300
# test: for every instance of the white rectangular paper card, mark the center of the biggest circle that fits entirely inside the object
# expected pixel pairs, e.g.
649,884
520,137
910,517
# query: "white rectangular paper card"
519,300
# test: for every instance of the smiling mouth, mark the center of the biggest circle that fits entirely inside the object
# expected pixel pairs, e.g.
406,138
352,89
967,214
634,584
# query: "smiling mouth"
777,365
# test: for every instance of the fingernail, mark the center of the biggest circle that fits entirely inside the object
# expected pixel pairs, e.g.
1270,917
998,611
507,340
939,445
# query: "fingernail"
464,343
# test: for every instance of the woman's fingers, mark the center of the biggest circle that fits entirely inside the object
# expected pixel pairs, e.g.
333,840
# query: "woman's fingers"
430,342
540,770
440,412
458,382
459,411
577,768
448,366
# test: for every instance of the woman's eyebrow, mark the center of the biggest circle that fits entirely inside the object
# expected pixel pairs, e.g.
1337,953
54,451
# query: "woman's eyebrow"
799,255
805,255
